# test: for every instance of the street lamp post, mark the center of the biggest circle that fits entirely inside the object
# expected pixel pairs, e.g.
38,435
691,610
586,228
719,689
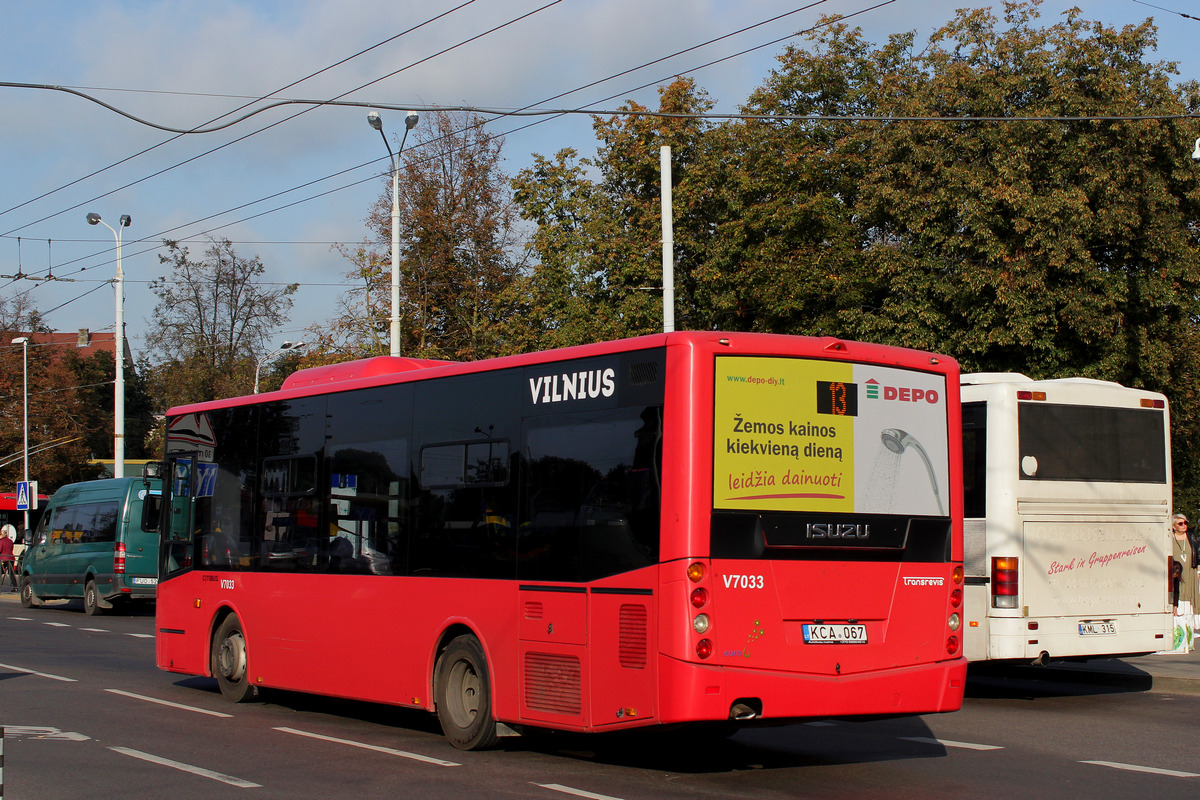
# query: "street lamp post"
285,346
24,342
410,122
119,342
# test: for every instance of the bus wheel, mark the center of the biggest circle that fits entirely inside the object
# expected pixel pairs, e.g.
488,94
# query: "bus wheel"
463,694
229,662
28,598
91,600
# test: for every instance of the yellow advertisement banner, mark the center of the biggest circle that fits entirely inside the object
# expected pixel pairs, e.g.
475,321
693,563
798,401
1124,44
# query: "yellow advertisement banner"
796,434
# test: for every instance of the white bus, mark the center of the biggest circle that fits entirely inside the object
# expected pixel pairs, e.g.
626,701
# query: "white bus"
1067,504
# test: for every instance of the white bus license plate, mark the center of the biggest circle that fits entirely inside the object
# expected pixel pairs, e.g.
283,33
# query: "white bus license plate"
1098,627
835,634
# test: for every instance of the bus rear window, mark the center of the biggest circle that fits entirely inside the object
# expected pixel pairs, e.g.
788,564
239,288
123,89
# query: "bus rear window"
1090,443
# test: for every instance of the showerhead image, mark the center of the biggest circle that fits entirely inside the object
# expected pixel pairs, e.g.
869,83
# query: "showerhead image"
898,441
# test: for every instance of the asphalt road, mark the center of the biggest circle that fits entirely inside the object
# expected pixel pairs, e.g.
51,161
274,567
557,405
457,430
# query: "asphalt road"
87,715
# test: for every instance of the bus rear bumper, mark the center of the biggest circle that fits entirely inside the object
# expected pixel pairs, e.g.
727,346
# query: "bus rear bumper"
703,693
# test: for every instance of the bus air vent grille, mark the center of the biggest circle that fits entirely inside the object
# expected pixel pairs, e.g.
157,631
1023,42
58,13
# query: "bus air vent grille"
643,373
533,610
633,636
553,683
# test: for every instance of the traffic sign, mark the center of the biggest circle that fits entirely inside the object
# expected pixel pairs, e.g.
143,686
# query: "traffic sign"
27,497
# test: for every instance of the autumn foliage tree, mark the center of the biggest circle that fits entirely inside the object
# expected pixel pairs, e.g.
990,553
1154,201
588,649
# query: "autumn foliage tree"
212,322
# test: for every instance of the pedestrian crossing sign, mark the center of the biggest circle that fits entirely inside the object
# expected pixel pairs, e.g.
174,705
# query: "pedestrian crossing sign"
27,496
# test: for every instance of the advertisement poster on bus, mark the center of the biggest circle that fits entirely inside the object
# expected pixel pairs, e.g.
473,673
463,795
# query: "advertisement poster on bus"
829,436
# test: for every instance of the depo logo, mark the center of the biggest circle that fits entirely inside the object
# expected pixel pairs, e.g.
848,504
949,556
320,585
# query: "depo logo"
903,394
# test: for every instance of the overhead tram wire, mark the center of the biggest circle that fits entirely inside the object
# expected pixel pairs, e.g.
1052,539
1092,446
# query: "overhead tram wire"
293,116
181,133
462,43
499,113
549,113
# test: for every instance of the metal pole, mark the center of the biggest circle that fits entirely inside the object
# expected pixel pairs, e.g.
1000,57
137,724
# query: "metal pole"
119,387
668,240
395,321
25,376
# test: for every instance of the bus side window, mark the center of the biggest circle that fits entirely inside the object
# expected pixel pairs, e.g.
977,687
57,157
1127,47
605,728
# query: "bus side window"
974,432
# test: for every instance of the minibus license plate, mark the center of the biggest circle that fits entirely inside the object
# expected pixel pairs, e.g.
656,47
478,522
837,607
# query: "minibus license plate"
835,634
145,581
1098,627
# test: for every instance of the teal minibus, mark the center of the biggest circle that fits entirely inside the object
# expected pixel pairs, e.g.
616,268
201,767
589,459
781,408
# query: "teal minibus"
97,540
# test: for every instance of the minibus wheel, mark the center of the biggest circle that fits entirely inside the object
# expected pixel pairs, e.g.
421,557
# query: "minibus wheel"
463,694
229,663
28,598
91,600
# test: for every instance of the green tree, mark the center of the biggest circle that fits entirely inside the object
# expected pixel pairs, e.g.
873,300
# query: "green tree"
213,320
1057,246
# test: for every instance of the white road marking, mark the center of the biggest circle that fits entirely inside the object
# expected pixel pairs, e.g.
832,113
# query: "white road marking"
39,674
141,635
179,765
949,743
558,787
22,619
57,624
1136,768
389,751
169,703
38,732
94,630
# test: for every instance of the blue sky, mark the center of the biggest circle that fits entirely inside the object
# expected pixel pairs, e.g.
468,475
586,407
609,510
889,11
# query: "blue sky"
181,63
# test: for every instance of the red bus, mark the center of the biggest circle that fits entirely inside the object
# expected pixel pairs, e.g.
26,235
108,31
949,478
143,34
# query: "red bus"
679,528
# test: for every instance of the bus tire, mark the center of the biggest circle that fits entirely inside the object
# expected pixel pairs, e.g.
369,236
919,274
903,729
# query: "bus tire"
463,693
29,598
229,662
91,600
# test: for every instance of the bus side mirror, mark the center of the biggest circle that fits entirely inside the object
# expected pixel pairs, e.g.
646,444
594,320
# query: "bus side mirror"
153,469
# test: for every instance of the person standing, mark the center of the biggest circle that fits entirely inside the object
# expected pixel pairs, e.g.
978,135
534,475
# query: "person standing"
1185,556
8,561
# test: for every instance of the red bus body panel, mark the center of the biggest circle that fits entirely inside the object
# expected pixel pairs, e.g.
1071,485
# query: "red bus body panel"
620,651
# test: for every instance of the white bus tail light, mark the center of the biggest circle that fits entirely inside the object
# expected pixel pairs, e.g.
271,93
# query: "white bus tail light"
1004,582
1028,395
1147,402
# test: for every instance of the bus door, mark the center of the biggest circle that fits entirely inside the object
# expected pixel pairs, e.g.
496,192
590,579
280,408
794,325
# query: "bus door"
178,522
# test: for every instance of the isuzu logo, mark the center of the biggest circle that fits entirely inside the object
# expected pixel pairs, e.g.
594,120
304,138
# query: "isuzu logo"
837,530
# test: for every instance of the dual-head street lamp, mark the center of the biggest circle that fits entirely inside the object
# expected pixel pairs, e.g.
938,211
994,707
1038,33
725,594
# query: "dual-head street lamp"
410,122
119,342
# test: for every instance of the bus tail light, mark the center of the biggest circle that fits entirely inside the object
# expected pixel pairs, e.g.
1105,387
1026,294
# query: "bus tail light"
1004,582
952,644
119,558
697,571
